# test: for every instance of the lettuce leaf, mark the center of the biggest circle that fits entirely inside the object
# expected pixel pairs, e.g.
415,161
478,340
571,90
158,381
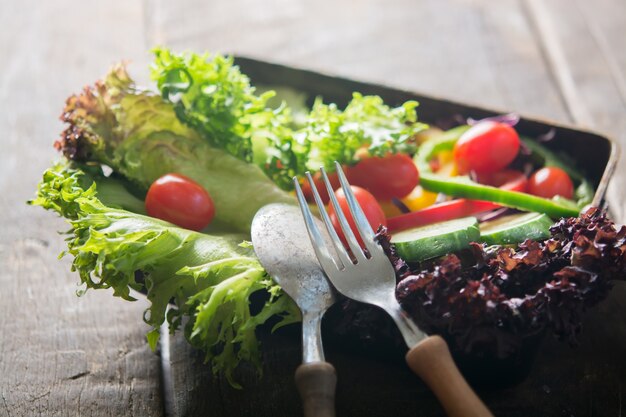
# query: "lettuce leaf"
212,96
209,278
366,123
139,136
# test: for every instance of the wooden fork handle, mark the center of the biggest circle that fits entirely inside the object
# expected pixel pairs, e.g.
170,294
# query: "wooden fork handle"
431,360
316,383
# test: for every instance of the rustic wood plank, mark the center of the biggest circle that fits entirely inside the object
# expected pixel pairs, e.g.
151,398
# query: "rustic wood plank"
584,42
60,355
471,50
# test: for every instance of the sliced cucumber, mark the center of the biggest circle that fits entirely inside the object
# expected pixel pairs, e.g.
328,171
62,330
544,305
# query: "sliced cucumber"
436,239
515,228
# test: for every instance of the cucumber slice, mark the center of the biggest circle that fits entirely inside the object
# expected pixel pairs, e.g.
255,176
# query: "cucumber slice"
516,228
436,239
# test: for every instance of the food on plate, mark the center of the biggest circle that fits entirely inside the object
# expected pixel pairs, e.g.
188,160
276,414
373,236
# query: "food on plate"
391,176
139,136
372,210
486,147
180,200
447,210
509,179
550,182
319,185
210,277
160,187
515,228
436,239
488,301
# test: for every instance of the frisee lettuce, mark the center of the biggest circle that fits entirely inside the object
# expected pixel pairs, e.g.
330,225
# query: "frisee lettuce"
366,123
213,97
209,278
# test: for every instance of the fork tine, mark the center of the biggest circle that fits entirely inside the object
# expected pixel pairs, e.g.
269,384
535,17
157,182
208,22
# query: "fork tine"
339,248
343,222
362,225
321,251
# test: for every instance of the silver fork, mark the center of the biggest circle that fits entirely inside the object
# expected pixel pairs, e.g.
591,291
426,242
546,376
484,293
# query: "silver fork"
368,276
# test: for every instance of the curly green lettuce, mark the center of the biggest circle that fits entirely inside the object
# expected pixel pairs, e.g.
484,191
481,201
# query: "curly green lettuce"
211,95
138,135
208,278
366,123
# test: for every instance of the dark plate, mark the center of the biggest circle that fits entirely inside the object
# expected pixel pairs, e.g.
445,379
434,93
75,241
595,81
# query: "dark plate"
372,378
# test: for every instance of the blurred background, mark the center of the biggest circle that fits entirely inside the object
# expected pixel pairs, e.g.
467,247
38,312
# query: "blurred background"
562,60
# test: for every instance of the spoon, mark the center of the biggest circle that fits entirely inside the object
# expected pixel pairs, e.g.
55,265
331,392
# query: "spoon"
282,244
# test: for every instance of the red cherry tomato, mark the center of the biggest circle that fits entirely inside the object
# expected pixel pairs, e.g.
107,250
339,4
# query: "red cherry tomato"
180,200
321,187
369,205
509,179
549,182
393,176
486,147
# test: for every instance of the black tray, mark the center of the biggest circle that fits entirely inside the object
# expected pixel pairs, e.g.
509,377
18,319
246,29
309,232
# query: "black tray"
374,381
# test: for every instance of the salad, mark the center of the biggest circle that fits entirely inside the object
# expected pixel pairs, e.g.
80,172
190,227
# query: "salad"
160,186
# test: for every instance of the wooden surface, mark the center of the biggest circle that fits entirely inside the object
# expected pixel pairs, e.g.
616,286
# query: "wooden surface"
63,355
60,355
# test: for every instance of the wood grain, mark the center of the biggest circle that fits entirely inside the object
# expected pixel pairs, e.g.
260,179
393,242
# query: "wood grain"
60,355
582,42
471,50
431,360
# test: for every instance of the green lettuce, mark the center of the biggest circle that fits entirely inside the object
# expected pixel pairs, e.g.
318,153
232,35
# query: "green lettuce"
208,278
212,96
139,136
366,123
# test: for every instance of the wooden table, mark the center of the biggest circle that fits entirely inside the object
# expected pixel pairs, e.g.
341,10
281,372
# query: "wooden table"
61,355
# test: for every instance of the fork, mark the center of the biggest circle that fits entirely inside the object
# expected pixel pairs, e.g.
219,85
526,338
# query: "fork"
368,276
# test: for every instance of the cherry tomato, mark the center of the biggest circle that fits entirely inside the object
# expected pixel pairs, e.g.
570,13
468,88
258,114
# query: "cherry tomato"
369,205
321,187
486,147
509,179
549,182
180,200
393,176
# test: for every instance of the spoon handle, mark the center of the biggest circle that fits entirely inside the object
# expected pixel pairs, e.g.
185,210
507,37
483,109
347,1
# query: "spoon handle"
316,382
430,359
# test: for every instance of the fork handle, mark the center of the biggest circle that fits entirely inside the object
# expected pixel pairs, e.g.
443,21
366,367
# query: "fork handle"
316,382
431,360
